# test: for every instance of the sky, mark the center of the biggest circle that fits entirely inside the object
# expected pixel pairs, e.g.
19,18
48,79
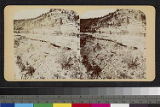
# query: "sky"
96,13
32,13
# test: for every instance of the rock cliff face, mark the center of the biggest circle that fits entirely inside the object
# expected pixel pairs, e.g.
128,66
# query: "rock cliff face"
120,21
56,20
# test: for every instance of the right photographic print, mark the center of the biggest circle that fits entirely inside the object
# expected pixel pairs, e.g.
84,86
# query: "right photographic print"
113,43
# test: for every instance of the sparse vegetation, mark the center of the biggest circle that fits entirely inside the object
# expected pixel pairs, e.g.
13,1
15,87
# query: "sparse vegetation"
109,60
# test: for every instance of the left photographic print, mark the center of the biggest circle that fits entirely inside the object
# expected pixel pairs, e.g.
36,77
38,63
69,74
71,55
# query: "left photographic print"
46,44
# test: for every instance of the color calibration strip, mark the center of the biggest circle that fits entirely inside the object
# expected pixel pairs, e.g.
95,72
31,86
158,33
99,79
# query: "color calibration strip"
75,105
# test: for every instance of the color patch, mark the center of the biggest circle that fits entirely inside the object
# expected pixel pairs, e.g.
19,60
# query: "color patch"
81,105
119,105
154,105
43,105
7,105
23,105
100,105
62,105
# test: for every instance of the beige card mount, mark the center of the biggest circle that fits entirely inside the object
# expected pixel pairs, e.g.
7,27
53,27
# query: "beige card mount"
79,43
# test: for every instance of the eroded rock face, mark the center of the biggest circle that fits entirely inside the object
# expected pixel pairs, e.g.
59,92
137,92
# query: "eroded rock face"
54,21
121,21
